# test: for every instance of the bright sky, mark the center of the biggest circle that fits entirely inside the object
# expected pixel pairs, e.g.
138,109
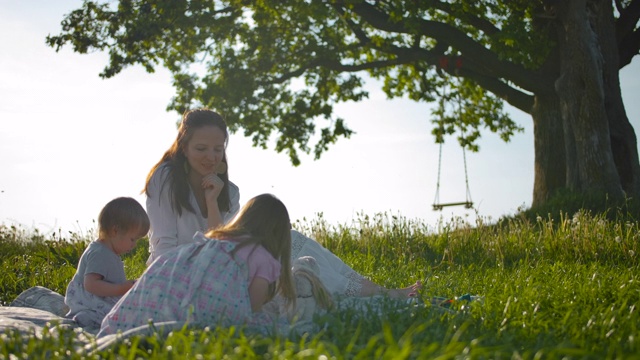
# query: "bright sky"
70,142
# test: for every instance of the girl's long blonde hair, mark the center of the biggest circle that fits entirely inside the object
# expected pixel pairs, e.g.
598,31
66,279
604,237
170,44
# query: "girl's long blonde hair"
264,220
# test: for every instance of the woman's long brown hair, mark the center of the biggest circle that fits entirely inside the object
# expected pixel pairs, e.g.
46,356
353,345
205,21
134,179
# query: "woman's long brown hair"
175,160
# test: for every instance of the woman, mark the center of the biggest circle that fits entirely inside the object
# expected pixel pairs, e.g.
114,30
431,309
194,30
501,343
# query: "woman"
189,190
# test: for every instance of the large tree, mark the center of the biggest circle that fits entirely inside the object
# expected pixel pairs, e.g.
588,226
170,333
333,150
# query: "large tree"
280,66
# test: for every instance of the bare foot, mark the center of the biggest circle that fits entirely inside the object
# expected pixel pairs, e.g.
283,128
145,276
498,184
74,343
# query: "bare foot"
409,291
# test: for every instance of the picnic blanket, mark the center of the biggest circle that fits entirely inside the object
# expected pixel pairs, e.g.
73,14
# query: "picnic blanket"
38,308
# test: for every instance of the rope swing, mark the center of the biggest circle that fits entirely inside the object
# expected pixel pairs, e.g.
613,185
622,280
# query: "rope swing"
468,203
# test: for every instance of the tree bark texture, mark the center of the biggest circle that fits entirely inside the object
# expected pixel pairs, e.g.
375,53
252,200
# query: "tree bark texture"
623,137
548,135
581,92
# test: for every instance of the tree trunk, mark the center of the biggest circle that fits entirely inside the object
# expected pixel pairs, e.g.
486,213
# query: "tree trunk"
623,137
580,89
549,166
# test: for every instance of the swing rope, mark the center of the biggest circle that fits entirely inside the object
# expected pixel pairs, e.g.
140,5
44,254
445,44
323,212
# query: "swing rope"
468,203
436,200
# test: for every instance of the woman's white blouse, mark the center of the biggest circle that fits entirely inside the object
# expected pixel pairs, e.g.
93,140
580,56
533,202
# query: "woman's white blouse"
170,230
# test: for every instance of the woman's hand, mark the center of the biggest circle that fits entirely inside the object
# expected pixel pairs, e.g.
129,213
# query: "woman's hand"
212,186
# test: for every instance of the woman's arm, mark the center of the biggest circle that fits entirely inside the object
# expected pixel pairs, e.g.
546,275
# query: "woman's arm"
164,220
95,284
234,200
212,185
214,217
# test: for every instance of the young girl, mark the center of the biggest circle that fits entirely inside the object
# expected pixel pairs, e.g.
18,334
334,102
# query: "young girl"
223,279
100,281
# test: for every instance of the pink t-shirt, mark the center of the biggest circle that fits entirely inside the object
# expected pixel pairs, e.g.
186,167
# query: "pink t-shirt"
260,262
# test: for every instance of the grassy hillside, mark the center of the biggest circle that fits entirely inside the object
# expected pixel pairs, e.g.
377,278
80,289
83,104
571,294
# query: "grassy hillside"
566,288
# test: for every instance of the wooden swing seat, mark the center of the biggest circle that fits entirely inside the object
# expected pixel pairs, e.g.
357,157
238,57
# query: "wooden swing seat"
467,205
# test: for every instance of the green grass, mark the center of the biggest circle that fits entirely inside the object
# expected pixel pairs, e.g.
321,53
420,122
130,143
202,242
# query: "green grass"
557,287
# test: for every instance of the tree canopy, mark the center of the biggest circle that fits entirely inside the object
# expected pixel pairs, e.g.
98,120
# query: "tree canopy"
279,67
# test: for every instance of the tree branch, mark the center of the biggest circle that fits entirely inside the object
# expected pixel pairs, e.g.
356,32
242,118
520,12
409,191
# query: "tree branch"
511,95
628,48
338,66
627,33
479,23
628,19
357,31
491,65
